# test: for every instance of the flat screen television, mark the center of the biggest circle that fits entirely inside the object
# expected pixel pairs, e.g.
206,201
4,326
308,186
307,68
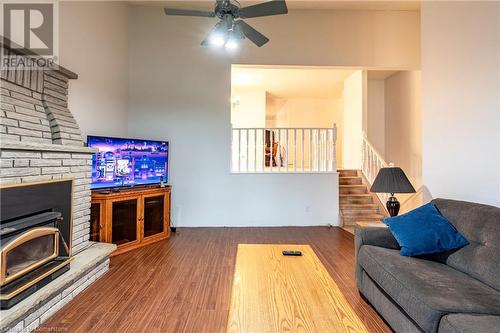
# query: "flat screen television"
127,162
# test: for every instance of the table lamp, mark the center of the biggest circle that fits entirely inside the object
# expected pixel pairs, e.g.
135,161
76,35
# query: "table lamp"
392,180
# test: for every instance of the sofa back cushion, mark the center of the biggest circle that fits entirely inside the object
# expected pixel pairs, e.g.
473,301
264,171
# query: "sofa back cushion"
480,224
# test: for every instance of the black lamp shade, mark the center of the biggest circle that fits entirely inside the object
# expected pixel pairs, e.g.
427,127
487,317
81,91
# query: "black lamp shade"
391,180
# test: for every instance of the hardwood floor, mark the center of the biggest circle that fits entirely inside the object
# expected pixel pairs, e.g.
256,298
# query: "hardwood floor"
184,284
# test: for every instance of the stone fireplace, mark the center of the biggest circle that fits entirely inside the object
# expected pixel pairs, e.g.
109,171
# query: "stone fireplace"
41,143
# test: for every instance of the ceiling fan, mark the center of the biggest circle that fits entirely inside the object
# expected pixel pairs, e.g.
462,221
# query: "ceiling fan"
231,28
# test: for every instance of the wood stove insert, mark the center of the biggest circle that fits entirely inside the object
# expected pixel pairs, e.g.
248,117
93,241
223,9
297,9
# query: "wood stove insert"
35,236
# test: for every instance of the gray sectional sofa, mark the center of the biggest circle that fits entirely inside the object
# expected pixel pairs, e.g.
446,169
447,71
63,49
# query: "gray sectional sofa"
456,291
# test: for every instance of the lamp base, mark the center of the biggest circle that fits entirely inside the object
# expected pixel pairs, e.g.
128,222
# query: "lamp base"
392,206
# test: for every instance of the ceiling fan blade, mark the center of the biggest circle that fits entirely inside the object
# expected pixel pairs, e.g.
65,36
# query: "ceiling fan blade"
275,7
188,12
256,37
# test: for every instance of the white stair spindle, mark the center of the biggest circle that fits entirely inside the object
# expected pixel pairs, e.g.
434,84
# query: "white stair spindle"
239,150
310,150
246,143
318,151
231,163
264,150
303,150
271,150
324,163
278,150
286,150
295,150
255,150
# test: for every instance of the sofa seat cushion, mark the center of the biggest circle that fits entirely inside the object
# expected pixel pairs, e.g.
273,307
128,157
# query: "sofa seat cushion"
424,289
466,323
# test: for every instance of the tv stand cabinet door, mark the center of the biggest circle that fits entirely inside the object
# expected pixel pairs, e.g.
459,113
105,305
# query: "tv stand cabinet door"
155,221
97,221
123,216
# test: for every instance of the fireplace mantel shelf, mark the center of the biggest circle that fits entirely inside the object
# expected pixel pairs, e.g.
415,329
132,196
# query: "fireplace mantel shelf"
46,147
82,264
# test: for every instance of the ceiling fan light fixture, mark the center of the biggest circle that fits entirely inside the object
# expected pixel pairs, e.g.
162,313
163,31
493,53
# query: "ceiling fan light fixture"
231,44
217,40
219,35
235,37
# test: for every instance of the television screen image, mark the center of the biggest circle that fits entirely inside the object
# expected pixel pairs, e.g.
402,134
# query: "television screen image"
127,162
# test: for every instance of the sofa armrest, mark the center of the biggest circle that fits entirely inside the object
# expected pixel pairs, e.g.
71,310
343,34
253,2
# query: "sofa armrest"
375,236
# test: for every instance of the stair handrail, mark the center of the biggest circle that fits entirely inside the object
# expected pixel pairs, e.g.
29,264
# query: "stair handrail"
372,160
371,163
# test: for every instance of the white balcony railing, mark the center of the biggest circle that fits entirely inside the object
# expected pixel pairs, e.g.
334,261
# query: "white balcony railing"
283,150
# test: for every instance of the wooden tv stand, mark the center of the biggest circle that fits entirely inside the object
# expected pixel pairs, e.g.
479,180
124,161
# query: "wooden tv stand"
130,217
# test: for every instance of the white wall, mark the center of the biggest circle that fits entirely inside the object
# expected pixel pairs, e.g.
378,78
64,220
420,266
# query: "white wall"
180,92
309,112
395,127
94,44
403,124
403,131
250,112
389,39
460,100
353,120
376,115
273,105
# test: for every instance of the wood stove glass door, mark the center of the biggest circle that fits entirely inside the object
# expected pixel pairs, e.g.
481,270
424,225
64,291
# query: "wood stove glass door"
28,251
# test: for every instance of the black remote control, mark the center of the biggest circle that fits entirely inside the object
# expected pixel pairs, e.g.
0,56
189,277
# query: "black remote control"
292,253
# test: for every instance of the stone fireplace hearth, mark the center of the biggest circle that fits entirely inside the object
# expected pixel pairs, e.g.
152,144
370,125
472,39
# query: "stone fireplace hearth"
40,141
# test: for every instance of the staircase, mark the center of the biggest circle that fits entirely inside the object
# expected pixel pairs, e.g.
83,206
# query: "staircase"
357,204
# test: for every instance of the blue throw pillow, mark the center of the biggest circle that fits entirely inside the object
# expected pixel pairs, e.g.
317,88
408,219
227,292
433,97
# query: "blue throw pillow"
424,231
